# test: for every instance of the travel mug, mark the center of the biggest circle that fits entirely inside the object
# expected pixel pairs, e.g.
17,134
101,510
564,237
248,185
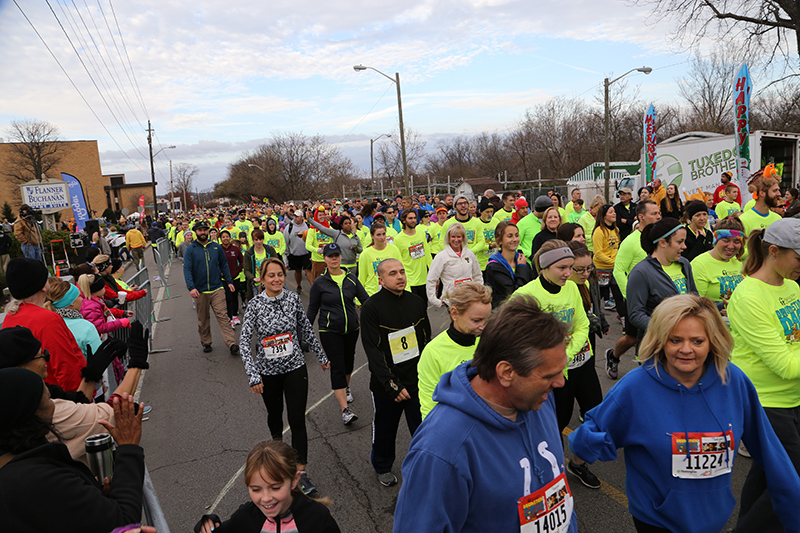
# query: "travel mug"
99,451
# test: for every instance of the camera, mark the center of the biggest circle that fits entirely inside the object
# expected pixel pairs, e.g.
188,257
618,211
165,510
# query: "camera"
25,211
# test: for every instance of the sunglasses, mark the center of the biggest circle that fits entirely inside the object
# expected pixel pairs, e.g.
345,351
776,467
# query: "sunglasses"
45,355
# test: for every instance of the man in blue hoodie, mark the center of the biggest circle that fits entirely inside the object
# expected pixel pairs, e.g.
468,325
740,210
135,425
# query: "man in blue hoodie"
489,457
205,269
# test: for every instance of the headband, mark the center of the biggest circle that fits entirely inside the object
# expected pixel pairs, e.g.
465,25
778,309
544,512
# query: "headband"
102,266
667,234
727,234
97,284
68,298
551,257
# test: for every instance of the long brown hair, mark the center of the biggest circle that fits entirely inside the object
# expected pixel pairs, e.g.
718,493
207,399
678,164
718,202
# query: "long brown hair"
580,250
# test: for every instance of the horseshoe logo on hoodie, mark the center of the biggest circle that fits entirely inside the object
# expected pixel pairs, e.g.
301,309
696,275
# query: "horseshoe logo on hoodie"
547,454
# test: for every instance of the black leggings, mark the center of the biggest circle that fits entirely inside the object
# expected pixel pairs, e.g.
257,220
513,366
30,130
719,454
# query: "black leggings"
643,527
293,386
581,385
341,351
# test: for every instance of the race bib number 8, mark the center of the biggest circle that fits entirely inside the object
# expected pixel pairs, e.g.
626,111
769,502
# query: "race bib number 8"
278,345
548,510
403,345
710,455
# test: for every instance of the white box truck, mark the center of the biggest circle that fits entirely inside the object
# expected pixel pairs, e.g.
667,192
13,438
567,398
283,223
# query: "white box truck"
695,160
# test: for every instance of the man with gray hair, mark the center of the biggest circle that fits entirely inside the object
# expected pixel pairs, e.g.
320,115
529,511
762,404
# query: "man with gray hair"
489,456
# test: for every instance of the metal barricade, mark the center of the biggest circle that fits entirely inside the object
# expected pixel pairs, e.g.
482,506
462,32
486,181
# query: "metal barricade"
163,258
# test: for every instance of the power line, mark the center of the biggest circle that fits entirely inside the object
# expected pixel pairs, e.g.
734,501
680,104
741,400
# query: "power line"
85,101
102,97
136,92
125,48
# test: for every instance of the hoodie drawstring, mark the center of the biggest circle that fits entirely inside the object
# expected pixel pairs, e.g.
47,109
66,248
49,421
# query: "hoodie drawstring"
721,427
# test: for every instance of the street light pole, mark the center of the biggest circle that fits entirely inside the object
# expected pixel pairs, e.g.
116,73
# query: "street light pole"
152,166
396,81
607,128
371,159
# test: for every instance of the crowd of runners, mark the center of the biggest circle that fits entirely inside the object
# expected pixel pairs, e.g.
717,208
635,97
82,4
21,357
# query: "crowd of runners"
704,287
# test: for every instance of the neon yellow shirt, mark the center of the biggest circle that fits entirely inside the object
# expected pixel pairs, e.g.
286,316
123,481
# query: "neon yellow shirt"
765,323
439,357
725,208
488,238
276,241
314,241
415,255
368,266
629,255
529,227
716,279
675,272
502,215
588,222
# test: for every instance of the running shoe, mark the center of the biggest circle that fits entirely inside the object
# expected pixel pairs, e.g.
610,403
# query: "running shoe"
233,324
348,416
299,290
610,305
238,322
305,484
349,396
612,364
388,479
582,472
234,349
206,348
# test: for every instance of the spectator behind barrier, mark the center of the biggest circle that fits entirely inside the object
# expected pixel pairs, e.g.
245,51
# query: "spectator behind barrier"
34,470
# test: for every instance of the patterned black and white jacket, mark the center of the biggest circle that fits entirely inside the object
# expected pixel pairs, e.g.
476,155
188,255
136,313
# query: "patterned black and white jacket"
270,320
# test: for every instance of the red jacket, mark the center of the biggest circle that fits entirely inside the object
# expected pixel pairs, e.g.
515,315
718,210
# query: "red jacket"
111,293
66,359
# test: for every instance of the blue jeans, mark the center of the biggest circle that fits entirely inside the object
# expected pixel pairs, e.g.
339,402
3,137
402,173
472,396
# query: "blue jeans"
31,252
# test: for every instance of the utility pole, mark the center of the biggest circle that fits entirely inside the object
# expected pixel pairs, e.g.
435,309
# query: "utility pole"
152,168
171,191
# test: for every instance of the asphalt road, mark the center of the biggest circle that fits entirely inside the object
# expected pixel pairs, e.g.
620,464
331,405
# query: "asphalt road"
205,420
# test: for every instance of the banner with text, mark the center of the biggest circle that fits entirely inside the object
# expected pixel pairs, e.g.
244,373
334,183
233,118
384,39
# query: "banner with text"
741,109
77,199
650,154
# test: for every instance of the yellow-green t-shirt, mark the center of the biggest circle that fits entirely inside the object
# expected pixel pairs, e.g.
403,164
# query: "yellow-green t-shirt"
725,208
716,279
338,278
259,258
368,263
675,272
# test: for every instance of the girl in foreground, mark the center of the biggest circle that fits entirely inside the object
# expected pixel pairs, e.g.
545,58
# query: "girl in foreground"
271,477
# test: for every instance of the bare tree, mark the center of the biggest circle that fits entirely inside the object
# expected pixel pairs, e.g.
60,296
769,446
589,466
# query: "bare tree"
389,160
36,149
183,177
778,109
762,26
707,92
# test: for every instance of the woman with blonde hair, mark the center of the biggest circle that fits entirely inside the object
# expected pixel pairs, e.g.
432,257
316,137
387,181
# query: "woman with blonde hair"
551,221
679,418
588,220
454,265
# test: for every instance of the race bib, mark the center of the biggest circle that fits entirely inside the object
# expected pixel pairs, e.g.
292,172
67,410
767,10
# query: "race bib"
417,251
603,277
581,357
710,455
403,345
548,510
460,281
278,345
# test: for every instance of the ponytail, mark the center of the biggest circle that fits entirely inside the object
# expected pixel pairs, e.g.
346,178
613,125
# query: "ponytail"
758,251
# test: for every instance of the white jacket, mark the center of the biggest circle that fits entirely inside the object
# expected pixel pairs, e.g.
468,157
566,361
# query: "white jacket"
452,270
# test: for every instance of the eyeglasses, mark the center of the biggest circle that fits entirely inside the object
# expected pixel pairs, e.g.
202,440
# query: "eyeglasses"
45,355
462,202
583,270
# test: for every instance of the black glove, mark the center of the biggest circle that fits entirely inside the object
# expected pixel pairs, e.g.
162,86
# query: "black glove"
96,363
138,346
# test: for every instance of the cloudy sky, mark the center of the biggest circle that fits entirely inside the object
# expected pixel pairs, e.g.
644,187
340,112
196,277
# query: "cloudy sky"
218,78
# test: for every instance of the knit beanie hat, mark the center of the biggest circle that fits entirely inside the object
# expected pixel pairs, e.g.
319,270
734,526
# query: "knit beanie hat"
25,277
20,395
19,346
542,203
695,206
484,205
520,203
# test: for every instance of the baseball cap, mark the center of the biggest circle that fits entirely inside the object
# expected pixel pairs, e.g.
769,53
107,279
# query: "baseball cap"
784,233
201,224
298,213
626,190
331,249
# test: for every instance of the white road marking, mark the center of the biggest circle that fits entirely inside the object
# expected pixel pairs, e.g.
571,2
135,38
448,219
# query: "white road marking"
229,485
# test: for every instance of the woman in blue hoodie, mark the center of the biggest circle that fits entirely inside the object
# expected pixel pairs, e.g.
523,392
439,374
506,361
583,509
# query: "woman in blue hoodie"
679,418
